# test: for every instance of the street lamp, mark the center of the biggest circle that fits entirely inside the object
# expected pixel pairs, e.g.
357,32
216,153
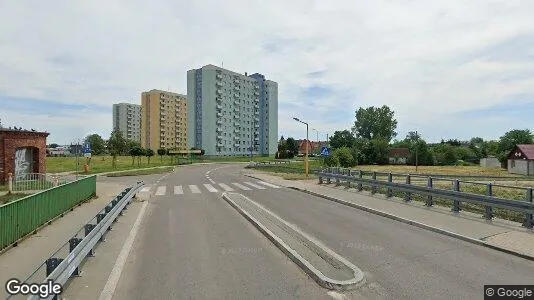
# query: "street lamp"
306,155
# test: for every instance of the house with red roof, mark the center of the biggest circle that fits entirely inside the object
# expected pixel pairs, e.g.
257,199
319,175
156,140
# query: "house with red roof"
398,156
521,160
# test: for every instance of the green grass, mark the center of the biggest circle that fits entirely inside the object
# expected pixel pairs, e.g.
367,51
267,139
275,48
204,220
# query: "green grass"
11,197
141,172
101,164
439,170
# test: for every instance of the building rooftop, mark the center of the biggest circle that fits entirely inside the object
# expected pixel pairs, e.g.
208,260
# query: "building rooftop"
21,130
399,152
527,151
166,92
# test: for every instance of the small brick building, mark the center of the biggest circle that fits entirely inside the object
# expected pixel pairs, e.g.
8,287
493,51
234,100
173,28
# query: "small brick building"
21,152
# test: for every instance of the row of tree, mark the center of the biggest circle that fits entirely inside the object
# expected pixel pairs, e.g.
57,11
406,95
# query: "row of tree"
371,138
117,145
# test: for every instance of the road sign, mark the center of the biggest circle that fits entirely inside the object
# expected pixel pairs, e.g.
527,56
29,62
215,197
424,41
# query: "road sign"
87,150
325,151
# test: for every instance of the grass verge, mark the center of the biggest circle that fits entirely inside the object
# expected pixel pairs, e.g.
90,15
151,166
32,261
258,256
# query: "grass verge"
11,197
141,172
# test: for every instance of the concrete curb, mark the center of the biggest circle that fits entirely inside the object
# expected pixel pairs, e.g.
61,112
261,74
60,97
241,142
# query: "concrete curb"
417,224
308,268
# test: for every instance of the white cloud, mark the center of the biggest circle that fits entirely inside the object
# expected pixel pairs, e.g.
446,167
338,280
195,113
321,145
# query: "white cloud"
425,59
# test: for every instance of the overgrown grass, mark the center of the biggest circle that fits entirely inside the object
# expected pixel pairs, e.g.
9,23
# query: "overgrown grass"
11,197
141,172
439,170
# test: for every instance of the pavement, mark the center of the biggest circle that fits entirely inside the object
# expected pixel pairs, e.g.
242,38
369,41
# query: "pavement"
19,262
187,242
502,234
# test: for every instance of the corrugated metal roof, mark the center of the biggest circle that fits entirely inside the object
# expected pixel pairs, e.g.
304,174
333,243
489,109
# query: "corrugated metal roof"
528,150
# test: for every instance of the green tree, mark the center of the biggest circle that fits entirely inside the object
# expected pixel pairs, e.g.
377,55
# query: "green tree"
445,155
149,153
361,151
375,123
142,152
53,145
161,152
130,144
98,145
292,146
342,139
331,161
116,145
379,151
344,157
510,139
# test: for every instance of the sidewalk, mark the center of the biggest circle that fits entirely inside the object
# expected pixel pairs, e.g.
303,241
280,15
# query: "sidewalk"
19,262
500,234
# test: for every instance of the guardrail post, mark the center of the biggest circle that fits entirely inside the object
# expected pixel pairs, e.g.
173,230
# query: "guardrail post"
489,210
528,218
348,180
88,229
10,183
337,178
408,196
390,190
373,188
51,265
429,199
456,204
360,176
72,245
320,179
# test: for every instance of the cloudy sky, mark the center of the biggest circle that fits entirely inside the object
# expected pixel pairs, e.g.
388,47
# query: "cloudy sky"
450,69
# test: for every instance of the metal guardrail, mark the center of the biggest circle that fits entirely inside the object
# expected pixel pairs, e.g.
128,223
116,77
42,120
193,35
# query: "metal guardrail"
488,201
65,262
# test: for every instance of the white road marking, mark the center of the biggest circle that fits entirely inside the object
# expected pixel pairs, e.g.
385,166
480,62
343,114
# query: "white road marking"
225,187
113,279
145,189
210,188
161,191
194,189
255,185
336,295
212,181
268,184
178,190
241,186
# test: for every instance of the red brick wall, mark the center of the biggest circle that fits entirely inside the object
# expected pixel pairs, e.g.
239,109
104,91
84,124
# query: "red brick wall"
10,141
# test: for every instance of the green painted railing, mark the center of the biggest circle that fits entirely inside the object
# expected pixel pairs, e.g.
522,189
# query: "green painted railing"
23,216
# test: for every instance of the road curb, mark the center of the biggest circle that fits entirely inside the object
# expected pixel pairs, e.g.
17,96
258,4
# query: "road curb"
417,224
321,279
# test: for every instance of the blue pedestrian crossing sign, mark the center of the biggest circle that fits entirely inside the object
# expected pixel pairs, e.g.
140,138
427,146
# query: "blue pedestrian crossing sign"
325,151
87,150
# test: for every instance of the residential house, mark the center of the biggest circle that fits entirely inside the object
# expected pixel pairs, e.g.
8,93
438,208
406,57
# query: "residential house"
521,160
398,156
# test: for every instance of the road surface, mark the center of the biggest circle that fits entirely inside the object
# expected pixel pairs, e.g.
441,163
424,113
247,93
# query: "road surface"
193,245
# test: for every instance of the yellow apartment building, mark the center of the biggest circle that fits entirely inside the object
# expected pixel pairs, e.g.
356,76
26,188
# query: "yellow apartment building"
163,120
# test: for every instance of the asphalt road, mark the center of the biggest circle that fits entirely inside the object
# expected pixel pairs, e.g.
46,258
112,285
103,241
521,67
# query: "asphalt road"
193,245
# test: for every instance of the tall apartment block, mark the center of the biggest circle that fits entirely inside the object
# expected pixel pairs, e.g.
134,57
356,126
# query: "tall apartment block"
164,120
127,119
230,113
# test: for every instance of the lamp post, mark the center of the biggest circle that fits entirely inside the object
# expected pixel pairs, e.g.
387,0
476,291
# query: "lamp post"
306,155
416,150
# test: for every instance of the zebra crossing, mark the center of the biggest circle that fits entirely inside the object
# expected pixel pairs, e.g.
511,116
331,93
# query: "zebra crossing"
214,188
